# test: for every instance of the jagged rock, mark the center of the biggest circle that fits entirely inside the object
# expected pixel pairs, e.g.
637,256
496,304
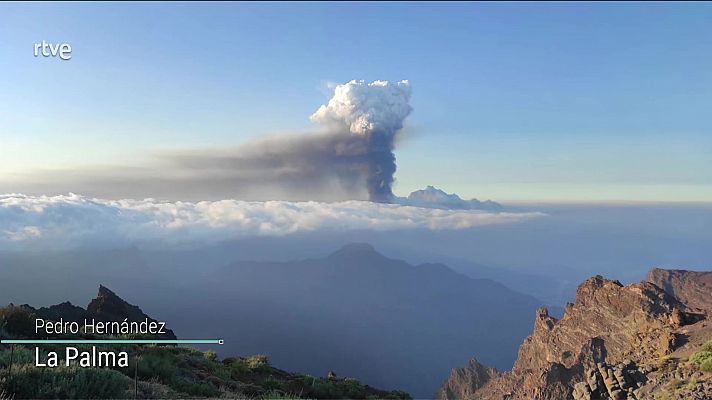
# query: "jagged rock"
65,310
690,287
464,381
604,347
622,318
609,382
107,306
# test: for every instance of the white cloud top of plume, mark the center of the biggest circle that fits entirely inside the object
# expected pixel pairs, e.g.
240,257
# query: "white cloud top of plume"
71,221
379,106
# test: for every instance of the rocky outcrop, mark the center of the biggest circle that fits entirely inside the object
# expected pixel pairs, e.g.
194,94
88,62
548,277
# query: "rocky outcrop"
463,382
66,310
668,379
608,321
690,287
607,345
106,307
622,381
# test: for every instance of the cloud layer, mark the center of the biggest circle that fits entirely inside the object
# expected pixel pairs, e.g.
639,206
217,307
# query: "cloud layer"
71,221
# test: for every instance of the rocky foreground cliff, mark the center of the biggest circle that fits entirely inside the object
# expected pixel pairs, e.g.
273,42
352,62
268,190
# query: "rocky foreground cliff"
649,340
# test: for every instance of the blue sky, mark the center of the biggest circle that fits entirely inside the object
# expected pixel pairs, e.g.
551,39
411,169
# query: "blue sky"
512,101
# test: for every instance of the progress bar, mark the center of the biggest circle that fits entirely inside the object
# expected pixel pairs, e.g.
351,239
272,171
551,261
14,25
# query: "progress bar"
112,341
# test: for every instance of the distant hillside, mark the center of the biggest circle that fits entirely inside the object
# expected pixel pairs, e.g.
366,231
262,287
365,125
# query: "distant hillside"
363,314
640,341
356,312
154,372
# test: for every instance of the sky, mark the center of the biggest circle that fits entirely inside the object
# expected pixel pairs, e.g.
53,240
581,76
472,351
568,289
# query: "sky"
511,101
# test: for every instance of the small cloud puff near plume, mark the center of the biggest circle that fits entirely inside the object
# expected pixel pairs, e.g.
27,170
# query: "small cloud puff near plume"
72,221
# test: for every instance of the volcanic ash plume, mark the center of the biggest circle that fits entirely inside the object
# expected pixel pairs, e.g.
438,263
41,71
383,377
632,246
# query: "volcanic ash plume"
374,113
350,159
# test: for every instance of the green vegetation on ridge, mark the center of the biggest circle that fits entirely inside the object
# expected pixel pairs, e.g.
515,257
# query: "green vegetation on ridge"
157,371
703,358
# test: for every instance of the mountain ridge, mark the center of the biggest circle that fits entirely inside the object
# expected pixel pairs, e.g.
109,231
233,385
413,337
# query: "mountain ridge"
432,197
393,314
160,371
608,344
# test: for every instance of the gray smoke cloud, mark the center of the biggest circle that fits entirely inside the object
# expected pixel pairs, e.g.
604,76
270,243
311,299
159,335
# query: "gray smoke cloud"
360,124
374,113
349,157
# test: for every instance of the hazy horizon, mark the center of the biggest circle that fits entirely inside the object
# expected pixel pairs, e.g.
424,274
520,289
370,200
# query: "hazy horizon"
508,106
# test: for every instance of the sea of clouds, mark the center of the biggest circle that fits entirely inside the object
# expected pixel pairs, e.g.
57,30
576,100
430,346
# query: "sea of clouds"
75,221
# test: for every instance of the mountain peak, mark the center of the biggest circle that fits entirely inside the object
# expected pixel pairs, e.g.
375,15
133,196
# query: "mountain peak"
108,306
433,197
463,382
105,292
432,193
355,249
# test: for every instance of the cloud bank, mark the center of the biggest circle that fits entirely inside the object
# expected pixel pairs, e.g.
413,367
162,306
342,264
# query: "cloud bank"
71,221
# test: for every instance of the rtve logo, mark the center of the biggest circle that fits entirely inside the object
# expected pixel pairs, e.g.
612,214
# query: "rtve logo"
61,50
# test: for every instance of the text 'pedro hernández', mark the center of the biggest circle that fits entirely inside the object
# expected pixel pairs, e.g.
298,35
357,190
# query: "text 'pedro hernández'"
91,357
93,327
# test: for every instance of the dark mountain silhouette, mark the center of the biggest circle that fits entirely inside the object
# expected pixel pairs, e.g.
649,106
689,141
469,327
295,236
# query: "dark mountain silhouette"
379,319
105,307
